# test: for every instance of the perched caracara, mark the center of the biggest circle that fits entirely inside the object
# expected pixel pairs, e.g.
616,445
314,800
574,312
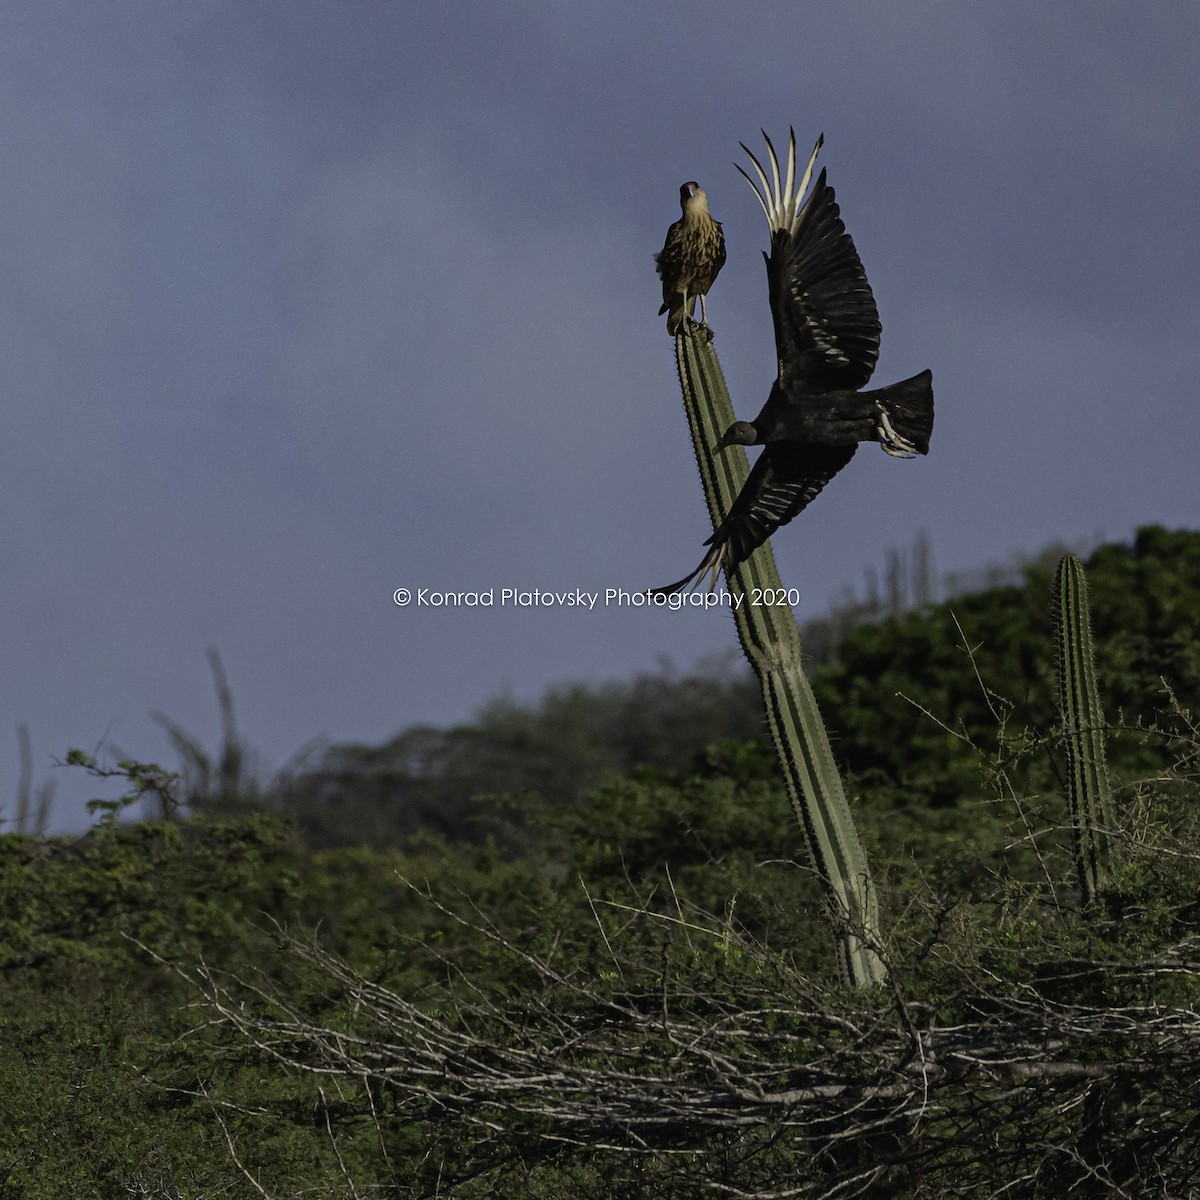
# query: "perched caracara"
690,259
827,341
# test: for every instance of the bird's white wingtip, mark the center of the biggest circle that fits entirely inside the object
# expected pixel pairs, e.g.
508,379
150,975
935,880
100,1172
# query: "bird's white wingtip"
779,196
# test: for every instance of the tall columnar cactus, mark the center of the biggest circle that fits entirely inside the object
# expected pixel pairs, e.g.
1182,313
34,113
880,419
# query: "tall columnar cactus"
771,643
1083,727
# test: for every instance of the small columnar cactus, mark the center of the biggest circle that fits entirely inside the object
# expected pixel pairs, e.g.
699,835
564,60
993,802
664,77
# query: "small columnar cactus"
1088,791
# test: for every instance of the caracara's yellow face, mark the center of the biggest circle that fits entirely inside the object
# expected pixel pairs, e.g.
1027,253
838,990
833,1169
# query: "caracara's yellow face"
693,200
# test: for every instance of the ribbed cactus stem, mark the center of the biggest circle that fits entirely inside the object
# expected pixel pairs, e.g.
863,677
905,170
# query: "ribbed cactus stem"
1083,727
771,643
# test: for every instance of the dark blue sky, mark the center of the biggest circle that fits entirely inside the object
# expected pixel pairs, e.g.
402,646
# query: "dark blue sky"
304,302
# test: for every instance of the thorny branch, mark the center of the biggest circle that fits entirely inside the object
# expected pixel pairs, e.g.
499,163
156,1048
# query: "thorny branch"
998,1081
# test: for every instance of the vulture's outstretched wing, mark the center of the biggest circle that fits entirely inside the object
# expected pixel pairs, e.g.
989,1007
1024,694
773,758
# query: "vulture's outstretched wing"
826,323
786,478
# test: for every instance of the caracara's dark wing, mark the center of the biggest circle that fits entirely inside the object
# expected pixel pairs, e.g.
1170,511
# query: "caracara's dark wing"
786,479
669,263
826,323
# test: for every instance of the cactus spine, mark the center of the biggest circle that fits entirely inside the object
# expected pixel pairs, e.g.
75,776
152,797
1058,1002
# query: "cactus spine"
1083,727
771,642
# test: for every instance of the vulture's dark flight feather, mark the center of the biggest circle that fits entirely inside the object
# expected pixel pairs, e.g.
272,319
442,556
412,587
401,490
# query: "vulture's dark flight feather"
690,259
827,342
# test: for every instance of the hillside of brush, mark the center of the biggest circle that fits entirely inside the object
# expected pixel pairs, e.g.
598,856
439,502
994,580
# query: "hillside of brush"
572,948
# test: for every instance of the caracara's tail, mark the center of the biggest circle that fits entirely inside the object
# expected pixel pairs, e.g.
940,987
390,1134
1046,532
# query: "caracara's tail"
906,415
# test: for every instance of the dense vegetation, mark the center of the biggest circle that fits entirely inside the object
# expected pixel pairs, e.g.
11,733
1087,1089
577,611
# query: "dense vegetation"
568,950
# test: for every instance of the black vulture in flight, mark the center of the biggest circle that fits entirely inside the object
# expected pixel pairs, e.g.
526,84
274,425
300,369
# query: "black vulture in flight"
690,259
827,342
